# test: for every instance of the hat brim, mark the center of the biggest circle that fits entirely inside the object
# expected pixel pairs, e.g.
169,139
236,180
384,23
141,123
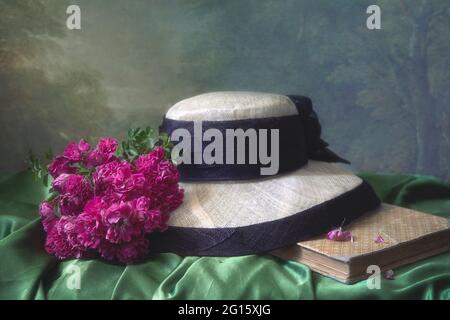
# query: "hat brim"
233,218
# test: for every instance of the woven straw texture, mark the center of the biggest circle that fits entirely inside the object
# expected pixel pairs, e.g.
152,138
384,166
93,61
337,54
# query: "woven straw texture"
221,106
242,203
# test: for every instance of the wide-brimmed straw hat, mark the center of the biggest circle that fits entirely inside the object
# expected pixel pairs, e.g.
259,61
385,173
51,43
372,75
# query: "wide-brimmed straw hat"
232,209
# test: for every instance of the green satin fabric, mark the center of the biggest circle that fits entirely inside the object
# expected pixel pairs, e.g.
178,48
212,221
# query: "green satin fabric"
28,272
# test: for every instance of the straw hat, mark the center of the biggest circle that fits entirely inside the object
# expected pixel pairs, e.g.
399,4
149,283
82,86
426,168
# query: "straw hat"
231,209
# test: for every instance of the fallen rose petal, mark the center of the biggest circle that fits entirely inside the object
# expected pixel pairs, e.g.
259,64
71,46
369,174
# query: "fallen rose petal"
339,235
389,275
379,239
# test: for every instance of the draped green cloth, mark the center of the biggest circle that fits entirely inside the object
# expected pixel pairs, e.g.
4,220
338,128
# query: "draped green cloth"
28,272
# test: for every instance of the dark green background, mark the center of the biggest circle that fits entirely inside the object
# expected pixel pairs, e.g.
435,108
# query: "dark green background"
382,95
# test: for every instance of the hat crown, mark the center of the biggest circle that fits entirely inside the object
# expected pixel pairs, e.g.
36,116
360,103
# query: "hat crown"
232,105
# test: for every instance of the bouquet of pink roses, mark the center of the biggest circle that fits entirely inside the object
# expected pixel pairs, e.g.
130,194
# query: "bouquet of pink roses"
107,199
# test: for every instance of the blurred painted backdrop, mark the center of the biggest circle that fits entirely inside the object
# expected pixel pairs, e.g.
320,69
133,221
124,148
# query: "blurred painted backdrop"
382,95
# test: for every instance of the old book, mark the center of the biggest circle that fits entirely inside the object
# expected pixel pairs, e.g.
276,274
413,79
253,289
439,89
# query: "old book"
408,236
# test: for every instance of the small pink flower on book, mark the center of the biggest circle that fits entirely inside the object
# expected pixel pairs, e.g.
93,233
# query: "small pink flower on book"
389,275
339,235
379,239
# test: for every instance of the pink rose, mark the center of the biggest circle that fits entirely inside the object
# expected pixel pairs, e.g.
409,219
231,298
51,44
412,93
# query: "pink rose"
154,220
90,228
62,239
59,183
171,200
150,218
73,184
107,145
142,204
60,165
121,223
148,163
77,151
95,206
47,213
75,191
104,152
78,185
129,184
120,178
103,173
127,253
70,205
167,173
